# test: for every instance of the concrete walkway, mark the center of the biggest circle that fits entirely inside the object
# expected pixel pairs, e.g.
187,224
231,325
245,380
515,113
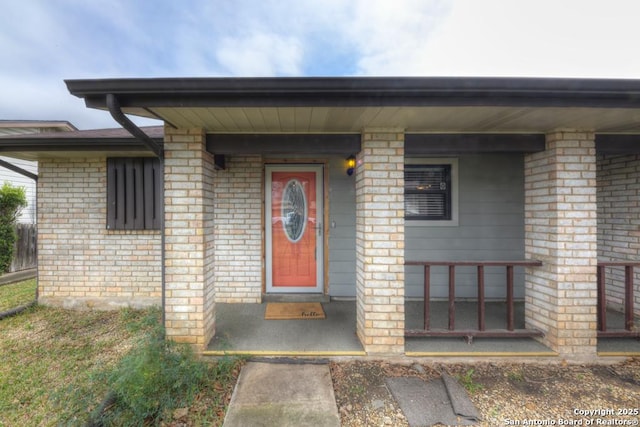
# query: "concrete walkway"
283,395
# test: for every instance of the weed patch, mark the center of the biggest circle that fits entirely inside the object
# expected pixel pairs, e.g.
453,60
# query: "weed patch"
59,366
155,378
467,381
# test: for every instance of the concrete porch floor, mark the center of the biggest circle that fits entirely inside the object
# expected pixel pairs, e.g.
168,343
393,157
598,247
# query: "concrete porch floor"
242,329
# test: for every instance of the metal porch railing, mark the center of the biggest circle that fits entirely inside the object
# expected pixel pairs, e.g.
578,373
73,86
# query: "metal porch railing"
628,302
481,331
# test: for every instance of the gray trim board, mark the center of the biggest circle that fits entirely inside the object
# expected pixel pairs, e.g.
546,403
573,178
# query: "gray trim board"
346,144
617,144
418,144
343,144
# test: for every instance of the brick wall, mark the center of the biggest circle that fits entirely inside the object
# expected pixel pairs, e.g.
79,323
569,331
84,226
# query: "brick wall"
189,246
238,230
618,178
81,263
561,231
380,242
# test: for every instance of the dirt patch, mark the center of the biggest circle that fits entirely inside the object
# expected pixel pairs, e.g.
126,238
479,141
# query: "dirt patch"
504,393
362,396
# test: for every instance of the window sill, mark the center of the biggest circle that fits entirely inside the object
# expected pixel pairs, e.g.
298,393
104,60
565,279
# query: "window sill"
429,223
131,232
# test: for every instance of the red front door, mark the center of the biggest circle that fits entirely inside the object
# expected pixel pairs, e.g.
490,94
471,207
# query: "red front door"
294,234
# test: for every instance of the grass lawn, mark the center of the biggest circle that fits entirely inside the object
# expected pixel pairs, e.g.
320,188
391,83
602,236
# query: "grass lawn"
17,294
59,365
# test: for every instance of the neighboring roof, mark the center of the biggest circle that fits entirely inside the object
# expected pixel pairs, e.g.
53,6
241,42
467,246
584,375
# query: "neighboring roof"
63,144
116,134
349,104
61,125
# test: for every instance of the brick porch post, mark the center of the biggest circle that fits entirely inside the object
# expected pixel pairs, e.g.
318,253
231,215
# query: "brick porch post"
561,231
380,241
189,287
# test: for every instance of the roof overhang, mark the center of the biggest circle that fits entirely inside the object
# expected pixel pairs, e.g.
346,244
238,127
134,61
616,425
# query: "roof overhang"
293,114
98,142
350,104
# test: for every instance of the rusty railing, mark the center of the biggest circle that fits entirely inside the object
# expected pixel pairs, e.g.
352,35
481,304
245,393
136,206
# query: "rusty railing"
481,331
628,303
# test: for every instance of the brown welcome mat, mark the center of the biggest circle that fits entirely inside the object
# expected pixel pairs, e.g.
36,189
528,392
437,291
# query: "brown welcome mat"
293,310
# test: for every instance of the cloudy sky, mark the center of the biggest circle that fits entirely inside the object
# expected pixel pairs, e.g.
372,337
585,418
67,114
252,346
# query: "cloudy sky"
43,42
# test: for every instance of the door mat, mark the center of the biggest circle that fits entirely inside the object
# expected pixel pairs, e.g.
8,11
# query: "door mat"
293,310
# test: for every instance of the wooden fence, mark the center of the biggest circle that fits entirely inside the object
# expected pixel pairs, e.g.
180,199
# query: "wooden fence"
25,256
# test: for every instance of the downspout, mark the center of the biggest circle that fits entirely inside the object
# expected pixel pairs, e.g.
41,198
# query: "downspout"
118,116
116,112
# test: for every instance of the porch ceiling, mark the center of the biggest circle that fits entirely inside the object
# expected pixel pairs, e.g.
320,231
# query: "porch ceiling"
412,119
349,104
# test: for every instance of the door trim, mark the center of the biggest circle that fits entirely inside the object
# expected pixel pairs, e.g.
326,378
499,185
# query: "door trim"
321,244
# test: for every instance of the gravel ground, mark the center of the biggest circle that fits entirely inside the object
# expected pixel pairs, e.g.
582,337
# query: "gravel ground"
504,393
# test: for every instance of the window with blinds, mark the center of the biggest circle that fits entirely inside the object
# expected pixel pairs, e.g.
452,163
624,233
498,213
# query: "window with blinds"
134,193
427,192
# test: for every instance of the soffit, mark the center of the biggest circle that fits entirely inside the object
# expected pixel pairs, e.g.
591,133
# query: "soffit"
416,119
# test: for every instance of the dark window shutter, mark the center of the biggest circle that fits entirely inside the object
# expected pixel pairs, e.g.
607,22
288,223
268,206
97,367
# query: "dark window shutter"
134,193
112,194
152,199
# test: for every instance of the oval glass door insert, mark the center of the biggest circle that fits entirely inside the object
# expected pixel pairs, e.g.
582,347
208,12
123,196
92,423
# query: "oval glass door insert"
294,210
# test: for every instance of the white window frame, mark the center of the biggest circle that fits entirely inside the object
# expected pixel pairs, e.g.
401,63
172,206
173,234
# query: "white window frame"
453,222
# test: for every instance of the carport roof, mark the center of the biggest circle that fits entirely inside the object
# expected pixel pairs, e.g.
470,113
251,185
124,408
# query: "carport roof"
349,104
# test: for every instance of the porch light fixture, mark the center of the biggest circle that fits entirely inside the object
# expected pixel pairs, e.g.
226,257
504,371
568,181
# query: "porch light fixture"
351,164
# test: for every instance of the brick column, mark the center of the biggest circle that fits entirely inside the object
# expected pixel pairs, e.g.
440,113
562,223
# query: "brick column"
561,231
189,287
380,242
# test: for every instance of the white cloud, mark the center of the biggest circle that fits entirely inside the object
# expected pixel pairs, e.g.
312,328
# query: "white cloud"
570,38
390,37
23,99
261,54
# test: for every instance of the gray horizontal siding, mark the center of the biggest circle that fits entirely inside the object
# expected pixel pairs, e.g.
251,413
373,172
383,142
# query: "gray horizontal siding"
28,214
342,237
491,227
